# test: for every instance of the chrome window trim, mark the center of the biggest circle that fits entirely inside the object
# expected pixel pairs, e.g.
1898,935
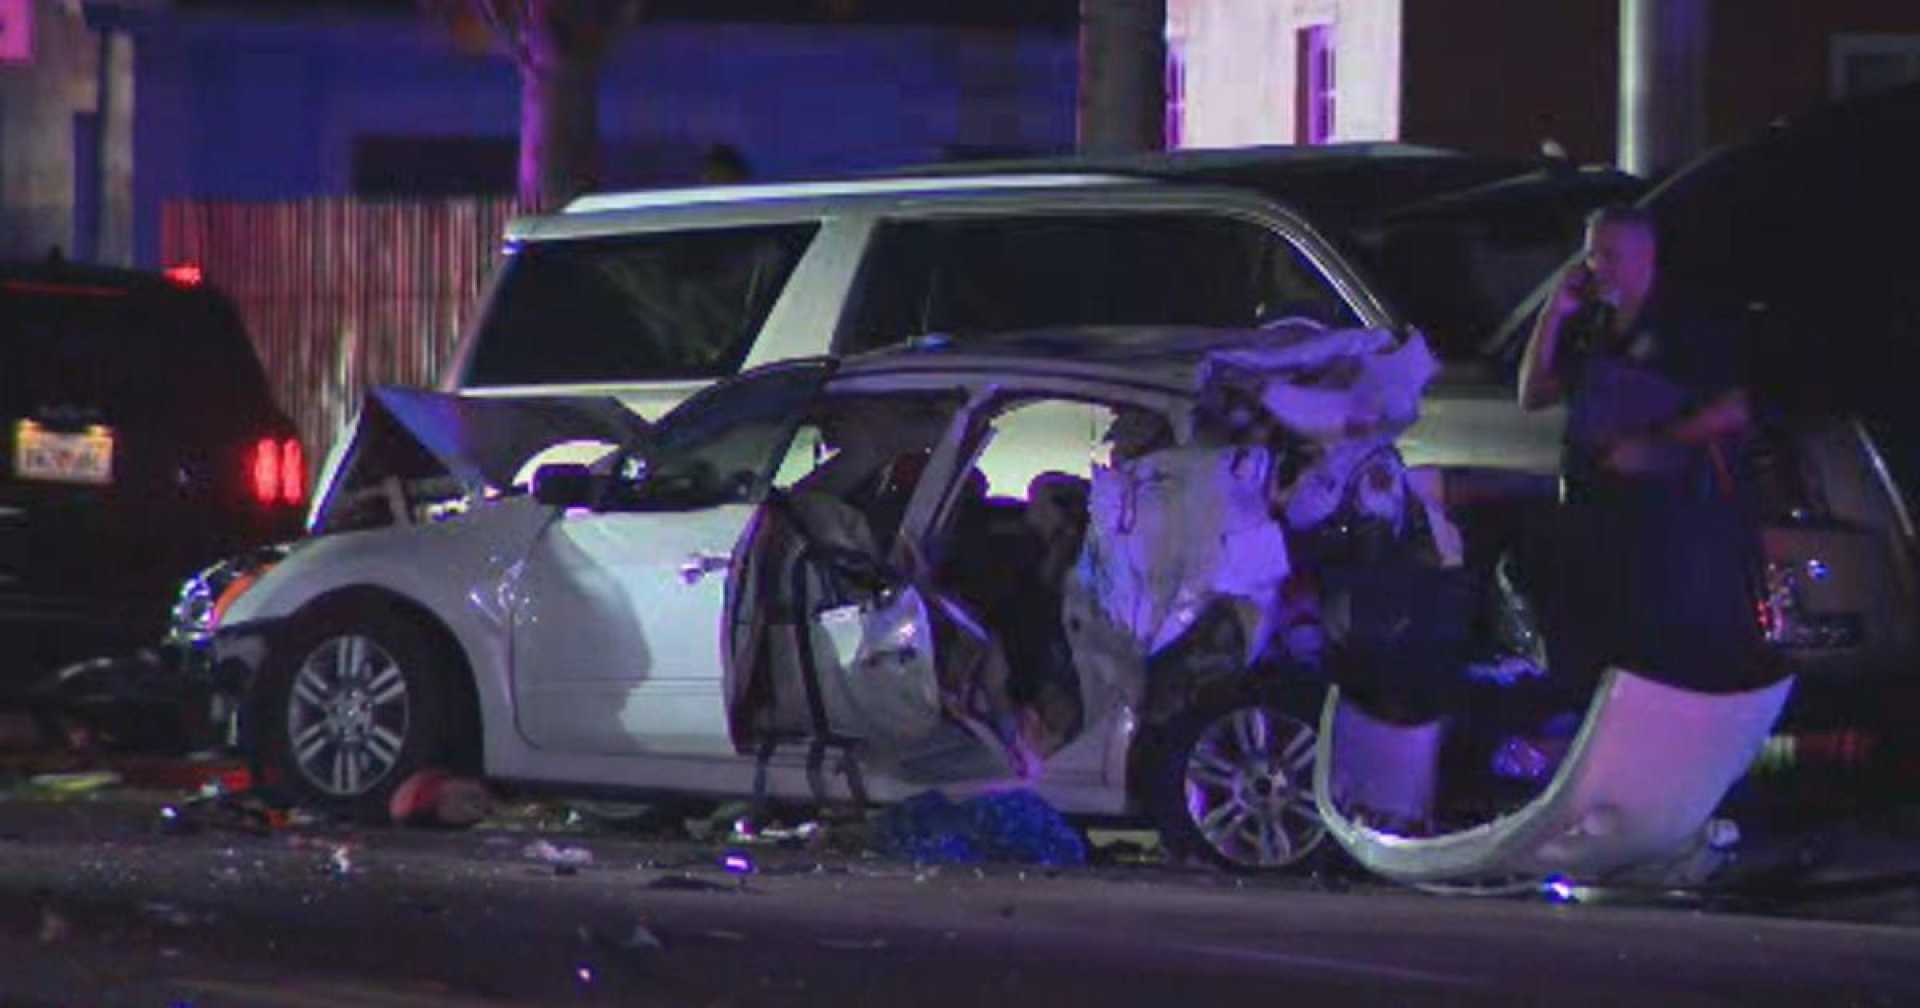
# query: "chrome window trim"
1885,476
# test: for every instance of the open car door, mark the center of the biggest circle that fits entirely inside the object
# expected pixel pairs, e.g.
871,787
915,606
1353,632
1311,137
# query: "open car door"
839,641
617,609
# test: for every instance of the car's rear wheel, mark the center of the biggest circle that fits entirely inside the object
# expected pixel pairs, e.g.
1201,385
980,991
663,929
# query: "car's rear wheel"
353,702
1234,784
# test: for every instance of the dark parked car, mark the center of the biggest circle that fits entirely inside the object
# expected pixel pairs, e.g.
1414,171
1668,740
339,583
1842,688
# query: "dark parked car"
140,444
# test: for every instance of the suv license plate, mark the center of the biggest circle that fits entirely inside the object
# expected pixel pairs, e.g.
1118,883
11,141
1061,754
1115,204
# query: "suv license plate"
40,454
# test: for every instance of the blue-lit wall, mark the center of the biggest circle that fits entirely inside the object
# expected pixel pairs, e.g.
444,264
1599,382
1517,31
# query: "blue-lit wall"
238,108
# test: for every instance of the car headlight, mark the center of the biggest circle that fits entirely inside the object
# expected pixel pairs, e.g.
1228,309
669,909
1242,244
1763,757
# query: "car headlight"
204,597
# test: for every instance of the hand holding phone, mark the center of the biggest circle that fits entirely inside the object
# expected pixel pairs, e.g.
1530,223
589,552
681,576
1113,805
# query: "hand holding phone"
1575,289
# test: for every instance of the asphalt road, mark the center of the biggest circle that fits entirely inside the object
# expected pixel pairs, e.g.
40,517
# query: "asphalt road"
98,906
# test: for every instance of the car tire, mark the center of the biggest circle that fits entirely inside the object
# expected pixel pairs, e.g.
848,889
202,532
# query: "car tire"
352,701
1232,782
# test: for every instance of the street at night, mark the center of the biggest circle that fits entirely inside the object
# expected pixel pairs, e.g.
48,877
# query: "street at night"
104,906
721,503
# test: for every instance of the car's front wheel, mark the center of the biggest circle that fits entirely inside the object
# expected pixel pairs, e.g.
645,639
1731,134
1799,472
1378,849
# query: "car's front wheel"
1234,784
352,703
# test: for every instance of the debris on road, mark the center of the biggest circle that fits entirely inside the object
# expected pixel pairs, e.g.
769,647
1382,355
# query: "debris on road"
1125,847
74,783
852,944
806,834
172,915
437,798
730,820
257,812
1011,826
558,855
1505,670
54,926
642,938
689,883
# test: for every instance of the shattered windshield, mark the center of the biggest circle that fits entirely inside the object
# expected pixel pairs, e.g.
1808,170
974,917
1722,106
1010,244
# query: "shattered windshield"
723,445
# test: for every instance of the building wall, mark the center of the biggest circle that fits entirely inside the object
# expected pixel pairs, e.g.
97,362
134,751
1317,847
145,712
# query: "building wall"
237,108
1772,59
38,103
1498,77
1239,68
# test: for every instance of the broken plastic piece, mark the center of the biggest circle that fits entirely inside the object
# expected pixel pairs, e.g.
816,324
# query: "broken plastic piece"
541,850
1630,801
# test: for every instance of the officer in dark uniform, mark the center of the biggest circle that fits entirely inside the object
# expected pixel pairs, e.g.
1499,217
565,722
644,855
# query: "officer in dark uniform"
1658,551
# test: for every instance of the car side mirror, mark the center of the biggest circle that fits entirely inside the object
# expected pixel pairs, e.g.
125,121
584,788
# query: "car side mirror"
563,484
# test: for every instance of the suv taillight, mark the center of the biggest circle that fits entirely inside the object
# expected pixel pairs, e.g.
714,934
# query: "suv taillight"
279,471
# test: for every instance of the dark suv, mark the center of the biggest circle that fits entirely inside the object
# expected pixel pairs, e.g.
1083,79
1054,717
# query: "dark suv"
138,443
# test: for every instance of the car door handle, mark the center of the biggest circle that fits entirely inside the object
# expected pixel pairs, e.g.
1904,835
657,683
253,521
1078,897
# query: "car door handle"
699,565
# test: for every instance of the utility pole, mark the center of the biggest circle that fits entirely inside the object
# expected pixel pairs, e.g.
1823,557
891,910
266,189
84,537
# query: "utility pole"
1663,65
1123,65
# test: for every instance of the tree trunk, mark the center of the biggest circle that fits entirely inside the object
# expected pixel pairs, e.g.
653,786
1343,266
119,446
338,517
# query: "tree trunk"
1123,65
559,131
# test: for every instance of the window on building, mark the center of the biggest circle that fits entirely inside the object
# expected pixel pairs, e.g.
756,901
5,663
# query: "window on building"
1172,129
970,276
1863,64
1314,86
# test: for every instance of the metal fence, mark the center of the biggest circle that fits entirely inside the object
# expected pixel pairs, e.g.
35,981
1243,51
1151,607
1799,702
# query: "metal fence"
340,294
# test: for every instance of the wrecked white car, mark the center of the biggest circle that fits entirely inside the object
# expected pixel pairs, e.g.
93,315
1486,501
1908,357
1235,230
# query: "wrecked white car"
830,580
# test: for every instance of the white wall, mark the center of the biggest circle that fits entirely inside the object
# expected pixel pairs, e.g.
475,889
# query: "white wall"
38,101
1240,73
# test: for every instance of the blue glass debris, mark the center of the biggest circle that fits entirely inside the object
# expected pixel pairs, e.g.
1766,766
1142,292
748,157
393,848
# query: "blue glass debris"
1011,826
1518,759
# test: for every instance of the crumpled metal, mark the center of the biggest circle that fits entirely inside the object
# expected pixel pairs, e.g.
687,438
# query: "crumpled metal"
1176,530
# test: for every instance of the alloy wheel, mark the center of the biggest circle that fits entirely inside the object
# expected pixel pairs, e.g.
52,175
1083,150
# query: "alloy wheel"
348,715
1249,787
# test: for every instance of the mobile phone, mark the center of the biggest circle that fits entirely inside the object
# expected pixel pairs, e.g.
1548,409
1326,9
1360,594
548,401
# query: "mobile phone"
1581,283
